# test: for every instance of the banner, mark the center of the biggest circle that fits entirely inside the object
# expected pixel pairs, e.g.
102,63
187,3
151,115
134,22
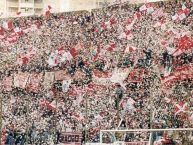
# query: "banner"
34,82
60,75
121,143
48,80
6,83
70,137
21,79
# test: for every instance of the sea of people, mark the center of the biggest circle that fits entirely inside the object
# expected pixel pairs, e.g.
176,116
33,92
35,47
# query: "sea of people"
90,71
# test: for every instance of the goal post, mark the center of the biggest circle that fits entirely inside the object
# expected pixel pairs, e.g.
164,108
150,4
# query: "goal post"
148,132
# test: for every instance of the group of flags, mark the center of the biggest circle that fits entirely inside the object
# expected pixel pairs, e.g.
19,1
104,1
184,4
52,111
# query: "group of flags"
61,55
181,14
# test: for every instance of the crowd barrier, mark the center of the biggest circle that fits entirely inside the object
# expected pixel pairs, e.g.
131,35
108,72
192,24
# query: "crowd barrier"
121,143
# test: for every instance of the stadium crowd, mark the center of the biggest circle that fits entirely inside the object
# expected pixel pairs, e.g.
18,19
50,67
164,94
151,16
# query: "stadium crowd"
86,71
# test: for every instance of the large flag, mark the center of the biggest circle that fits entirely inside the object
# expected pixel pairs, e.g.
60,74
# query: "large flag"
21,79
48,80
34,82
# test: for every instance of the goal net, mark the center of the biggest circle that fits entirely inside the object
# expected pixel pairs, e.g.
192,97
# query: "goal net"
178,136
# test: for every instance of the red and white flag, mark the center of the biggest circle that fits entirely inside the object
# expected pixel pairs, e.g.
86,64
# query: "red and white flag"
73,52
12,38
47,104
8,25
157,13
148,7
181,13
168,79
130,49
25,58
18,31
60,55
181,108
1,31
18,13
78,117
127,104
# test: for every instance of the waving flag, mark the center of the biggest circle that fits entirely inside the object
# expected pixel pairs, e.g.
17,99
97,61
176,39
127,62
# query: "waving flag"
148,7
25,57
60,56
127,104
18,31
47,104
18,13
130,49
157,13
181,13
73,52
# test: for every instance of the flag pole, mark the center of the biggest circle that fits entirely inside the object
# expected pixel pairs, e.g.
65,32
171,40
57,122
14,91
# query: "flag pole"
86,107
86,129
56,99
1,117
